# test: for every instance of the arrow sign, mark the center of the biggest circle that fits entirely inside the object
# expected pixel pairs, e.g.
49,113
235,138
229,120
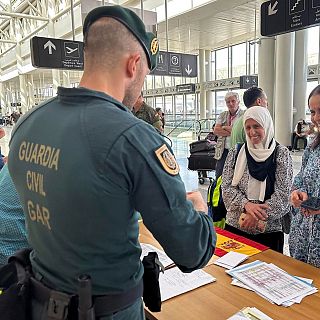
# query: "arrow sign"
188,70
272,9
50,46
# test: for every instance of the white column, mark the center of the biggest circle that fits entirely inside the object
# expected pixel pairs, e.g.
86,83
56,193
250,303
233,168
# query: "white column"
202,71
31,91
2,99
284,88
23,93
300,76
209,94
266,69
65,78
22,81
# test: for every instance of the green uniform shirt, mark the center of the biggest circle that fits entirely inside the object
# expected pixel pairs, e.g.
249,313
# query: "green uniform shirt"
149,115
238,134
82,165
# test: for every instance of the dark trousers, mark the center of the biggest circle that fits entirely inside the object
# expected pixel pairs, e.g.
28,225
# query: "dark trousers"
273,240
220,163
295,139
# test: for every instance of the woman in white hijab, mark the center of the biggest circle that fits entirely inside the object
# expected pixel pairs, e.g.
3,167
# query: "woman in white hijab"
256,182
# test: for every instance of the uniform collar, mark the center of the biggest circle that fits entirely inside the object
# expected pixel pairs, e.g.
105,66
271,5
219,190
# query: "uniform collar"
70,93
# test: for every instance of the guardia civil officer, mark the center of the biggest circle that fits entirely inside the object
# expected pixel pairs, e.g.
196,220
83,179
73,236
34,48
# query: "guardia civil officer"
81,215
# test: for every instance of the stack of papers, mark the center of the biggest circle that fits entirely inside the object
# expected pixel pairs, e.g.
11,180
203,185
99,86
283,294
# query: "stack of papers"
163,258
272,283
231,259
250,313
173,282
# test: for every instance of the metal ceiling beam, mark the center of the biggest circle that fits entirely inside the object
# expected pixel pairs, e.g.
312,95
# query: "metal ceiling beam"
22,15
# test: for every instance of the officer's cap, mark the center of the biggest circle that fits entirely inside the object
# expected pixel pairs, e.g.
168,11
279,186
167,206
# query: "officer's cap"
127,17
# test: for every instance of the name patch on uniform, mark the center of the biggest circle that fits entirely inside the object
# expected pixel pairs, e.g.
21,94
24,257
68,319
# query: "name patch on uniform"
167,160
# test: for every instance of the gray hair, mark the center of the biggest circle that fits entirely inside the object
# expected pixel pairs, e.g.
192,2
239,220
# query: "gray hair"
232,94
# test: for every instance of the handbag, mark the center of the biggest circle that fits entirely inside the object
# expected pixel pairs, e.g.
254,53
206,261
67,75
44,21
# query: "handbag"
286,221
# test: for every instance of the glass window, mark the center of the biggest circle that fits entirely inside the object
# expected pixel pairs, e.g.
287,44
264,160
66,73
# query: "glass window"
158,81
222,63
191,106
313,45
168,81
220,102
179,107
159,102
254,51
239,61
149,82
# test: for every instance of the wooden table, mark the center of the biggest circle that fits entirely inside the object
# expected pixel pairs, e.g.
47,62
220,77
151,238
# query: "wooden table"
220,300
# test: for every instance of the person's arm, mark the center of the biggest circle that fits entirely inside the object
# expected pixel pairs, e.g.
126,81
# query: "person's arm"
222,131
2,133
233,198
158,193
279,201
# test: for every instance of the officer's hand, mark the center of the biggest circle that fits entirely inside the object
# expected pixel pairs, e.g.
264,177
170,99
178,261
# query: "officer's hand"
198,203
297,197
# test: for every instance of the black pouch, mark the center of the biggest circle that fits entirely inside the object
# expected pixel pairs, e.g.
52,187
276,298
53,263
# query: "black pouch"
15,298
151,288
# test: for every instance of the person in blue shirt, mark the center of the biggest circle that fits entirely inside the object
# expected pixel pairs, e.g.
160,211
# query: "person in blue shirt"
13,236
82,216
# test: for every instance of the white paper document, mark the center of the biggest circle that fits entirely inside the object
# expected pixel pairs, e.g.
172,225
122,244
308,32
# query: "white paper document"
271,282
231,259
173,282
251,313
163,258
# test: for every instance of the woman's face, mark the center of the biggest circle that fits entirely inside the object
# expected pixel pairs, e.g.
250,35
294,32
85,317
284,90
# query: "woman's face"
254,131
314,106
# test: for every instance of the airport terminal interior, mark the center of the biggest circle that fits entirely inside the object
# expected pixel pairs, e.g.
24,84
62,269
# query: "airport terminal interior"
208,48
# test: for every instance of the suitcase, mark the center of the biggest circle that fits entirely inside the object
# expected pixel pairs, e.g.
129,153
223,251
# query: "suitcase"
201,145
202,161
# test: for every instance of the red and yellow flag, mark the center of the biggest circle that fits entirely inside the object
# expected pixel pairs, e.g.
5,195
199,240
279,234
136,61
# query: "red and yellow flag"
228,241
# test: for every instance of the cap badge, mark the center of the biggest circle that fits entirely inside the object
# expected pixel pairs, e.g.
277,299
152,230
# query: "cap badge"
154,47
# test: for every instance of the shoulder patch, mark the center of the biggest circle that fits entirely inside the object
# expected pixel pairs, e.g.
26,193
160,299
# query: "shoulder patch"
167,160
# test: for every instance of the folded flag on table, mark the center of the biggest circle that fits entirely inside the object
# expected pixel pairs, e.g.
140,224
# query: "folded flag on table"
228,241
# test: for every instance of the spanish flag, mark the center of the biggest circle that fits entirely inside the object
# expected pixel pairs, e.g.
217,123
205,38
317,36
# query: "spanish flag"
227,241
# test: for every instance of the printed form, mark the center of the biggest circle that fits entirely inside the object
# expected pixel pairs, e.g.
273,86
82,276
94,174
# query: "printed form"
271,282
173,282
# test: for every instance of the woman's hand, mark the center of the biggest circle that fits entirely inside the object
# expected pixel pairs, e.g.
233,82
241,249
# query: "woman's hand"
257,210
248,222
309,213
297,197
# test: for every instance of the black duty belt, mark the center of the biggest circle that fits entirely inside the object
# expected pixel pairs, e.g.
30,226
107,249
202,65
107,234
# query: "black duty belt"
103,305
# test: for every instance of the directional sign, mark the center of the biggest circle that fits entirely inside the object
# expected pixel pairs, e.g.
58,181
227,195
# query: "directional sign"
281,16
186,88
176,64
56,53
247,82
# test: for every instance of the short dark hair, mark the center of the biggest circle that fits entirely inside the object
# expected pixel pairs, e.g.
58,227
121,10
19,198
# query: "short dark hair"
315,92
251,95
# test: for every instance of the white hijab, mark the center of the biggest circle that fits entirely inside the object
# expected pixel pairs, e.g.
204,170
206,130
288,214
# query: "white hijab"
259,152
